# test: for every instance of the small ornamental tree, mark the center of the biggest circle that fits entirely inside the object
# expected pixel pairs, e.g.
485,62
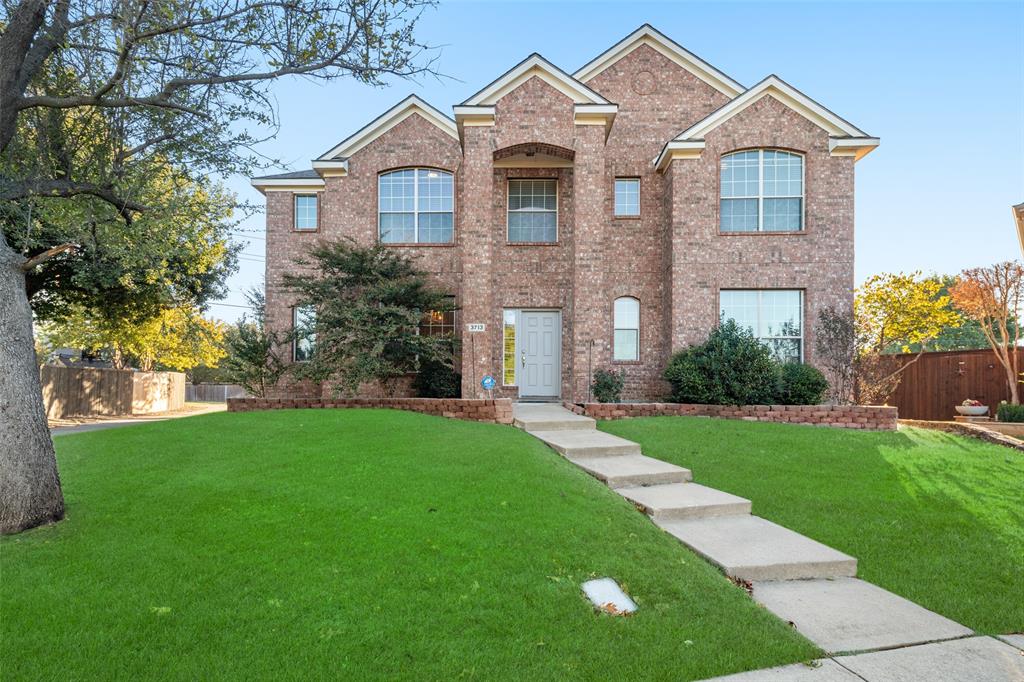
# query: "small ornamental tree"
993,297
896,310
369,302
252,359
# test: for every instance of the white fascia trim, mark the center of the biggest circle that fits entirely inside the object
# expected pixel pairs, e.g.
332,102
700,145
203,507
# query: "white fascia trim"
652,37
535,65
331,164
462,111
675,148
775,87
286,184
388,120
596,109
857,147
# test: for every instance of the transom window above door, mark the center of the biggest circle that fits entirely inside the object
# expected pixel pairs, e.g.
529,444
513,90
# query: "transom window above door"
762,191
416,206
532,211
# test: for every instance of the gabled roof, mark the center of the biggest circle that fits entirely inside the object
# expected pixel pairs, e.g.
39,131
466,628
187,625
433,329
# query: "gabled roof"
385,122
658,41
845,139
534,65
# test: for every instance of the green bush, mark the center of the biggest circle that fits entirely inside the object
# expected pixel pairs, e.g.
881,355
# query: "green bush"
607,386
1010,413
800,385
437,380
730,368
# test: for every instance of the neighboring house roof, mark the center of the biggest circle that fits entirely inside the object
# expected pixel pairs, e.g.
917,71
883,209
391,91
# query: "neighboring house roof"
845,139
534,65
659,42
1018,214
385,122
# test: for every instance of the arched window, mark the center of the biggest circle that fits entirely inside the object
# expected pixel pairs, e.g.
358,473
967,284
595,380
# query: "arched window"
762,191
416,206
627,329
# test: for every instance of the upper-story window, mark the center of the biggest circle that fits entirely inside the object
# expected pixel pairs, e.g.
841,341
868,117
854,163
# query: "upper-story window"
533,210
762,191
627,197
626,342
306,212
416,206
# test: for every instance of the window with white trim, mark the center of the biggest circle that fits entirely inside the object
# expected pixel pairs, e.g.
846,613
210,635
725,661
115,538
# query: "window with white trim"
626,341
508,347
306,212
762,191
533,210
416,206
627,197
773,316
304,327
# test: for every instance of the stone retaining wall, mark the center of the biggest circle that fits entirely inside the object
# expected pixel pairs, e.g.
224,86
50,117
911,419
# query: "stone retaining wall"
970,430
871,417
497,411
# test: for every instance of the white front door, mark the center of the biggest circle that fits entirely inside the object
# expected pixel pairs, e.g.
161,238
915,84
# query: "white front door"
540,341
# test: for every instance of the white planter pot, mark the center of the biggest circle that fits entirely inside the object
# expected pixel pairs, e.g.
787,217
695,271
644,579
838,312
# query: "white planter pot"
972,410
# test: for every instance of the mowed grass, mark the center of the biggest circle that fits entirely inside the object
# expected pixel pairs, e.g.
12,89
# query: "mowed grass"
356,544
934,517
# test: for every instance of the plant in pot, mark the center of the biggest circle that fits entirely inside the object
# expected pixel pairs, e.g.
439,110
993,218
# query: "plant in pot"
972,408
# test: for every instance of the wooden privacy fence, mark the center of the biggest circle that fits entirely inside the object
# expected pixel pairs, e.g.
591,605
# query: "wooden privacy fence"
935,384
213,393
88,391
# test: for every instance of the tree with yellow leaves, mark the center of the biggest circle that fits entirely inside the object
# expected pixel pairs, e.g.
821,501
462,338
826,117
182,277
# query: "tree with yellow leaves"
901,310
993,297
178,338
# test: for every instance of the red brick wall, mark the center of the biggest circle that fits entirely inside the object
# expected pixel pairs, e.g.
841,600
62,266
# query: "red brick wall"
871,417
672,258
497,411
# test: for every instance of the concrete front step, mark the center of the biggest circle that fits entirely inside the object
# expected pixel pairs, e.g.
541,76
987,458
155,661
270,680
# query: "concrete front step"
587,443
631,470
846,614
548,417
684,501
751,548
977,659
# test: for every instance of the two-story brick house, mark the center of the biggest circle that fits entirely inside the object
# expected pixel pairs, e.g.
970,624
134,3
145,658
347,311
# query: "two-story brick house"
596,220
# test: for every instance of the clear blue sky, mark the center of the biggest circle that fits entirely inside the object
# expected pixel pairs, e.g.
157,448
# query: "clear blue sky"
942,84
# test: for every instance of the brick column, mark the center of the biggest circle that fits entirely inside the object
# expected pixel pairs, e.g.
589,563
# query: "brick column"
476,241
591,309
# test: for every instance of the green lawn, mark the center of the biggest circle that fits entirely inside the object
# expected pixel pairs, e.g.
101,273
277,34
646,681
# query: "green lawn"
934,517
358,544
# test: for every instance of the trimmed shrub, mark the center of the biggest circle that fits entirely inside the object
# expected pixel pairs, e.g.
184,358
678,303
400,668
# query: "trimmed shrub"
730,368
800,385
607,386
1010,413
437,380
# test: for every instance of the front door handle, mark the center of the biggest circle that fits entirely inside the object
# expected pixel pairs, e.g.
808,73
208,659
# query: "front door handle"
524,359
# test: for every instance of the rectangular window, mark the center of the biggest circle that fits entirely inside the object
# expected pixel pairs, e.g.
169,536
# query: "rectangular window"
306,211
508,348
627,197
304,326
438,323
626,318
533,211
762,190
774,316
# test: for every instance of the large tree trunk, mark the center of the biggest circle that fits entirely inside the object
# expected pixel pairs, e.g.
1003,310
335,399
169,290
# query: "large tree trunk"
30,492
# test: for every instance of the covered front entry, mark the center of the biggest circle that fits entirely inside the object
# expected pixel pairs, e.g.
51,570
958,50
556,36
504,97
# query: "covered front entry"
539,340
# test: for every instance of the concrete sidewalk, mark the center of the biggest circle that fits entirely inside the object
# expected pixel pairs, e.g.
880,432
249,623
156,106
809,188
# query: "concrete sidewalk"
869,634
100,423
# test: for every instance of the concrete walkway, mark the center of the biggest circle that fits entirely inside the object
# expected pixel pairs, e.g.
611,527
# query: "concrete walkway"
100,423
870,634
